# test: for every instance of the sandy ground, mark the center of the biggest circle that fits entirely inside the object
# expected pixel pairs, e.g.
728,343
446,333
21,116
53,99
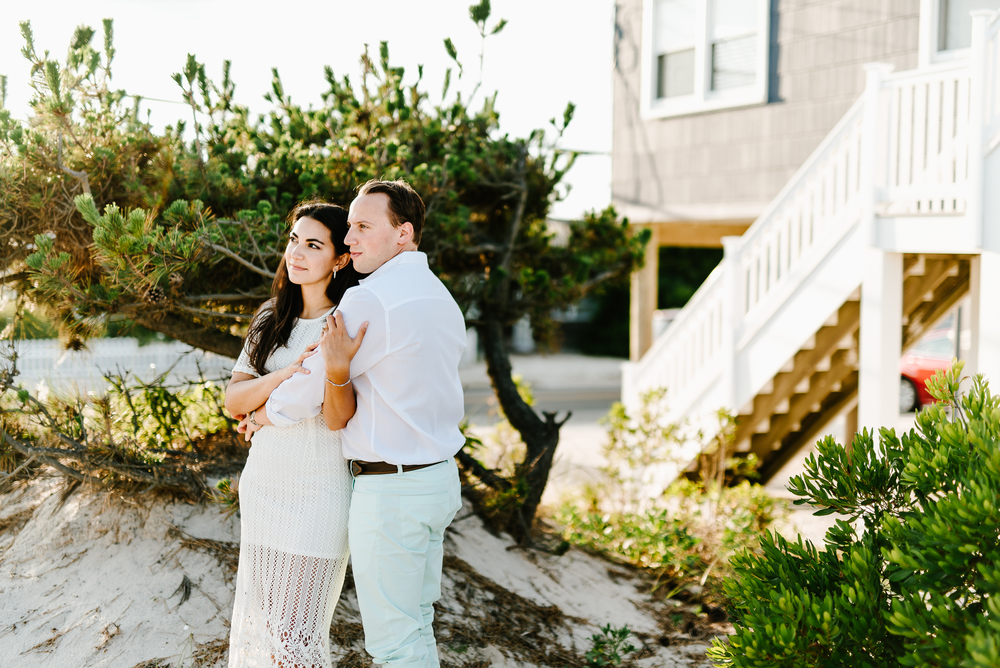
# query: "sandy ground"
87,579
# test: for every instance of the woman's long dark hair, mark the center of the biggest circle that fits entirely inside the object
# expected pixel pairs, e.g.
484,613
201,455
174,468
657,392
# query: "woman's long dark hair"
272,325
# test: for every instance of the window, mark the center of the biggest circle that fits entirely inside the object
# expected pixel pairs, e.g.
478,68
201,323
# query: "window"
734,42
955,23
704,54
675,47
946,28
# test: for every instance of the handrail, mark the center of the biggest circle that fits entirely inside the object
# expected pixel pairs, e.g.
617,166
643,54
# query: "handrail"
681,320
927,73
821,152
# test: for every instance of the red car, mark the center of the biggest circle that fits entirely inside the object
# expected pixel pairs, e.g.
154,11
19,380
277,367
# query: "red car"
933,353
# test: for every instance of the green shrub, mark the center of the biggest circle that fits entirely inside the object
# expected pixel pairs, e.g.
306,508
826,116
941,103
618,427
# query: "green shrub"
911,578
685,535
136,437
609,647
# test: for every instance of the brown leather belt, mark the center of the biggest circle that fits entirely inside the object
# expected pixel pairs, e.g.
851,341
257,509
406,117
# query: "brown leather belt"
359,467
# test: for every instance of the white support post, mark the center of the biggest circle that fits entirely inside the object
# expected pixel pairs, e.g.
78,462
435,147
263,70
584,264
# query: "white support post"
881,339
733,307
977,115
870,136
882,285
984,319
643,301
927,42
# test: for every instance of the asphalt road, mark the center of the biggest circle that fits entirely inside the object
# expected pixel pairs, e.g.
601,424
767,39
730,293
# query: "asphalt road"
588,404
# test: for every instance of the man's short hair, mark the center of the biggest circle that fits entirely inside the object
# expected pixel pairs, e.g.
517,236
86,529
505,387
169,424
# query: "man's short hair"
405,205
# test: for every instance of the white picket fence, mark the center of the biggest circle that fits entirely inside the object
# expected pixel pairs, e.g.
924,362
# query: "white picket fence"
44,362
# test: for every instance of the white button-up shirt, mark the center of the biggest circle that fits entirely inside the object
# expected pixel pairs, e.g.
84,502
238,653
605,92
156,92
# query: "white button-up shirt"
405,374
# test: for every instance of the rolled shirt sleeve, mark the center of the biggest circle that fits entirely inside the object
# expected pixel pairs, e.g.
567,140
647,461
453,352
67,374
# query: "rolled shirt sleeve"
300,396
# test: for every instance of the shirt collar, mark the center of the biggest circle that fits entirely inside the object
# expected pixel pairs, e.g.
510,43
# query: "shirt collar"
406,257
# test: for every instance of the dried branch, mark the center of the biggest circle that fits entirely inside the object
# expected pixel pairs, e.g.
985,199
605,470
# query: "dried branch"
79,176
249,265
13,278
24,465
600,278
138,472
29,451
253,240
230,297
487,476
239,317
515,223
483,248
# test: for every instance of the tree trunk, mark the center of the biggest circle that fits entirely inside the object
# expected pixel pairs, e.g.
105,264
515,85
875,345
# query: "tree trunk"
540,436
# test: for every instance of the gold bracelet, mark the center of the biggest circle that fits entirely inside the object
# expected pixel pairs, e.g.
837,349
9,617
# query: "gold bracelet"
335,384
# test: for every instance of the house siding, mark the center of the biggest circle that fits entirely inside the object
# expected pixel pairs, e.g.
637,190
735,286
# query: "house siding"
729,164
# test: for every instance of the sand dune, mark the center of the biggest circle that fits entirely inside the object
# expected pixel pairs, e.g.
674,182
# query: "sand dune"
88,578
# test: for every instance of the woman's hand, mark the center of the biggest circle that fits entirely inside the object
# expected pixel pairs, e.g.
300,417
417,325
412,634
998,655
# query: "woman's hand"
296,366
247,428
339,348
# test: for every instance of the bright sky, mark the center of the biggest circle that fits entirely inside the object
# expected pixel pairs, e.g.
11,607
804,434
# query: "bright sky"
551,52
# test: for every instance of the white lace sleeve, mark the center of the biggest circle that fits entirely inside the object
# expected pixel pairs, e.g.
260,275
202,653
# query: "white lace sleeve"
243,363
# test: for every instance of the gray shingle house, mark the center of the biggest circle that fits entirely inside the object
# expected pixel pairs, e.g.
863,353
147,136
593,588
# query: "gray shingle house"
843,153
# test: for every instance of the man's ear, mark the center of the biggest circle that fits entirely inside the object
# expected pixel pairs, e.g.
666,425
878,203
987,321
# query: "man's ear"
405,233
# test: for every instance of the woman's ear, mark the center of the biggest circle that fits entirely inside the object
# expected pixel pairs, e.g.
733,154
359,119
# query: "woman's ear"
342,261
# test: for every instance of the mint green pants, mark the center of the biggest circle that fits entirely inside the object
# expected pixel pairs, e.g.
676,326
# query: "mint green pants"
396,534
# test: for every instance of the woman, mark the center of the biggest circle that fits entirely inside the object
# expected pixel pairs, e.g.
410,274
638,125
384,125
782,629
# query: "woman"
295,488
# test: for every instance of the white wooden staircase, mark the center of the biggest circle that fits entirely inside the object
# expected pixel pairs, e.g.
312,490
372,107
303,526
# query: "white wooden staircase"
892,220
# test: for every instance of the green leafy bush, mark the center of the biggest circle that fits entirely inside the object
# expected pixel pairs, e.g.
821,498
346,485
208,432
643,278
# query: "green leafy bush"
136,437
686,534
181,230
911,577
609,647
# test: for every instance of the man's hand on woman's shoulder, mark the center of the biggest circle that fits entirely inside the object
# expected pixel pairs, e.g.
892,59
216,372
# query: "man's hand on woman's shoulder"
338,348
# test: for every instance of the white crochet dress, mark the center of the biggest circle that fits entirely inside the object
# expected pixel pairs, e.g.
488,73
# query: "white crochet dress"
295,495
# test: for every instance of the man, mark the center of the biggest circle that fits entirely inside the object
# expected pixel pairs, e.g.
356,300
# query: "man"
402,439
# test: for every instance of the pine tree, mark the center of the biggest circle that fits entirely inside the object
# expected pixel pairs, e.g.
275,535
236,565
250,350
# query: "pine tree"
181,231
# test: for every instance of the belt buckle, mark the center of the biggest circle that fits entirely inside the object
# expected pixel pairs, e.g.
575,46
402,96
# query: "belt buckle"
356,469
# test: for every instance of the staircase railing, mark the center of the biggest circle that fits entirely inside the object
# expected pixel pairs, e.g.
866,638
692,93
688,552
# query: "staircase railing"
923,161
809,214
919,131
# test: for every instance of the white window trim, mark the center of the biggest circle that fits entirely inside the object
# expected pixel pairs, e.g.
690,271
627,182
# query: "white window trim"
703,99
930,35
